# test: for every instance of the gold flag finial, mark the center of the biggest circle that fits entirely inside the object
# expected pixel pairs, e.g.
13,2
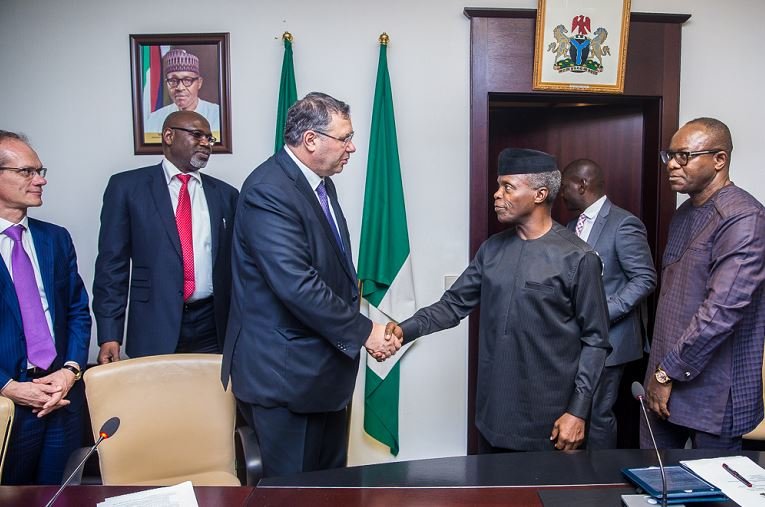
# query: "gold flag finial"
287,36
384,39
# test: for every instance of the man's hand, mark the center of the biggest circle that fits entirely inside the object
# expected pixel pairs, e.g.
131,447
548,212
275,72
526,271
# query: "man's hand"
380,345
33,395
109,353
657,396
63,379
568,432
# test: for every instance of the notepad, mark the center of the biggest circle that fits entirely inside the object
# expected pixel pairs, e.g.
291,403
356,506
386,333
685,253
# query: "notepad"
683,486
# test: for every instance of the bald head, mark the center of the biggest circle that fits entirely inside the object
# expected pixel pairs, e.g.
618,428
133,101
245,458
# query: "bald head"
583,183
717,134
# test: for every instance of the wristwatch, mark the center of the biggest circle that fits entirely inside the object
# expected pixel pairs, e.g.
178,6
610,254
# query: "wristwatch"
77,372
661,376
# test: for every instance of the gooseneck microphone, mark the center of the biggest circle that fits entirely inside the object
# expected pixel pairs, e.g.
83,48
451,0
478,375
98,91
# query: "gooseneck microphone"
108,429
639,394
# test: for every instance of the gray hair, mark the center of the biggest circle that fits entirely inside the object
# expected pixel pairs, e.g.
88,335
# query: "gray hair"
312,112
549,180
7,135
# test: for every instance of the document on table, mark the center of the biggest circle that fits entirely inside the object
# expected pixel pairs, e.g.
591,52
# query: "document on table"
181,495
712,470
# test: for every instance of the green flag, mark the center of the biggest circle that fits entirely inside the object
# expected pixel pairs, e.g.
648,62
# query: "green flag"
385,268
287,91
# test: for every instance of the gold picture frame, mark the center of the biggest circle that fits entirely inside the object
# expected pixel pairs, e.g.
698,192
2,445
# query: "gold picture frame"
581,45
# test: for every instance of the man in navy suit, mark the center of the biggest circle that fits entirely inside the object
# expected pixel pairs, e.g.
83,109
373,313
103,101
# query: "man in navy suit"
44,324
166,242
295,333
629,277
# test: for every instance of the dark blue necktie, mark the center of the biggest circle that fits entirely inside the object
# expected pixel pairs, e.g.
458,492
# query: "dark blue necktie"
321,191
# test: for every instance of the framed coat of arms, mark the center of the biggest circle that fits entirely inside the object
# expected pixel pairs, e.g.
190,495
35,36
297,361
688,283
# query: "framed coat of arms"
581,45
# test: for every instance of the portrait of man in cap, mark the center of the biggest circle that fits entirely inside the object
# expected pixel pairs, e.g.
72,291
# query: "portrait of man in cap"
184,81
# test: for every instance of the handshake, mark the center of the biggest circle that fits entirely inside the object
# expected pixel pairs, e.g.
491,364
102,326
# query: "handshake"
384,341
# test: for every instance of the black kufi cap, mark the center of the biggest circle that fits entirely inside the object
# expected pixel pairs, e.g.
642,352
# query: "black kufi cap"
523,161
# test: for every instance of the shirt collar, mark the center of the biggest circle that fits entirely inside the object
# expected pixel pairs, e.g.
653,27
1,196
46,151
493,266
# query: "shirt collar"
313,179
4,224
171,172
592,211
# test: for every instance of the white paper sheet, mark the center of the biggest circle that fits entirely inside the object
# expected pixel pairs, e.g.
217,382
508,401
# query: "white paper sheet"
181,495
712,471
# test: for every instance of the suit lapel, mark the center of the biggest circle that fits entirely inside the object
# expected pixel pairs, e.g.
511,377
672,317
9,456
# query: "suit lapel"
8,292
164,206
293,171
600,223
212,195
45,259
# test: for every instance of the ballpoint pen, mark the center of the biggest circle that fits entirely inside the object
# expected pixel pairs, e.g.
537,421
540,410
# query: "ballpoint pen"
736,475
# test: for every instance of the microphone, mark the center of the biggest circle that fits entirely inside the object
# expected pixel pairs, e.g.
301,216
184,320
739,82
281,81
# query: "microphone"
108,429
638,392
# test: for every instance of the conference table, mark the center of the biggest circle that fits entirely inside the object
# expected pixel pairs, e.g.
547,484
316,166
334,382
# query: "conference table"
544,479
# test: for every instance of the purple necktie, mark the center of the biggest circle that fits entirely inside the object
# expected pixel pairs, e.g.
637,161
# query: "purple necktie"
321,191
40,349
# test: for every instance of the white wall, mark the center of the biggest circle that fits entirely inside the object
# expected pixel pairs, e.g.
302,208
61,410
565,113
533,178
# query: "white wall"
65,81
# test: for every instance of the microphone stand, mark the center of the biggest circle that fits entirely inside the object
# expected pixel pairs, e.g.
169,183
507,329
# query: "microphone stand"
658,455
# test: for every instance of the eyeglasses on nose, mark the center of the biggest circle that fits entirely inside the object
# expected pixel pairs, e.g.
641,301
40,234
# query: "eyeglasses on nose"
198,135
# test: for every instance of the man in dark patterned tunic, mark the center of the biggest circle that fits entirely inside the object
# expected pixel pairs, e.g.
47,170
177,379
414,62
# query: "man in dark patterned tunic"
704,378
543,335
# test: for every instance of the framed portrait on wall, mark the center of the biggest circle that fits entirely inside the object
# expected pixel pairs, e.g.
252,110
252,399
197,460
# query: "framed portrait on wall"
581,45
177,72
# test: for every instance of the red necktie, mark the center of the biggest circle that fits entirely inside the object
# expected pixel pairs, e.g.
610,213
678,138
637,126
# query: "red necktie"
183,221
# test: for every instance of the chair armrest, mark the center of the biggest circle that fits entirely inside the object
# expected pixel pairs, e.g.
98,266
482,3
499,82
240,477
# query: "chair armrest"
71,464
251,454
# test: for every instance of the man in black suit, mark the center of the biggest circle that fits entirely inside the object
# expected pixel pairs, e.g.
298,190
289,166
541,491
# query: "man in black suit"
166,241
295,332
629,277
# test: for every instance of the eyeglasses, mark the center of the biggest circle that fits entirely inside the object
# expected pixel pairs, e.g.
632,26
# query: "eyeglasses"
27,172
682,157
198,135
173,82
345,140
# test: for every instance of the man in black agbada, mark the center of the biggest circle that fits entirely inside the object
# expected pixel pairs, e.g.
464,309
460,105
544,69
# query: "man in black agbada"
543,335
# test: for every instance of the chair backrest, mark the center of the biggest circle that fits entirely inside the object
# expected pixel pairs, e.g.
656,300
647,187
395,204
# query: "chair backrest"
176,421
6,422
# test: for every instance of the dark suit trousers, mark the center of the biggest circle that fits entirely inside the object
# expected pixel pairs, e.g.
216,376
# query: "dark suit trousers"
602,428
39,447
291,443
198,334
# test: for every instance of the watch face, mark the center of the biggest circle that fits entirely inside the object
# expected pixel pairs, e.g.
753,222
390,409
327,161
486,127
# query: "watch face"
661,376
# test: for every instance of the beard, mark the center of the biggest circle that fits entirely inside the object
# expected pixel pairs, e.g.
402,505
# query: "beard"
198,161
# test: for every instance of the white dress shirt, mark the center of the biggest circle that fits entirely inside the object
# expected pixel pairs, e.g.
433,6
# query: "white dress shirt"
591,213
200,227
313,180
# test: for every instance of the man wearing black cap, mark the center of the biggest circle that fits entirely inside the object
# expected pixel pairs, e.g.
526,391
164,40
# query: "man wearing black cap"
543,335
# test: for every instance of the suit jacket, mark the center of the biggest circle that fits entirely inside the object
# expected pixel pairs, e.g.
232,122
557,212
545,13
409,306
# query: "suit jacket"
139,253
67,301
629,277
294,331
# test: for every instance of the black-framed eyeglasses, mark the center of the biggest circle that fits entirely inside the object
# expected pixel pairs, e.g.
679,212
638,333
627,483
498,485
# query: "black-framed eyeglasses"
682,157
27,172
173,82
345,140
198,135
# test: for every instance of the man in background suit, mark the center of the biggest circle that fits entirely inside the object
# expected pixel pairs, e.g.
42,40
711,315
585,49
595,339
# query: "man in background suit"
44,324
629,277
166,241
704,378
295,332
